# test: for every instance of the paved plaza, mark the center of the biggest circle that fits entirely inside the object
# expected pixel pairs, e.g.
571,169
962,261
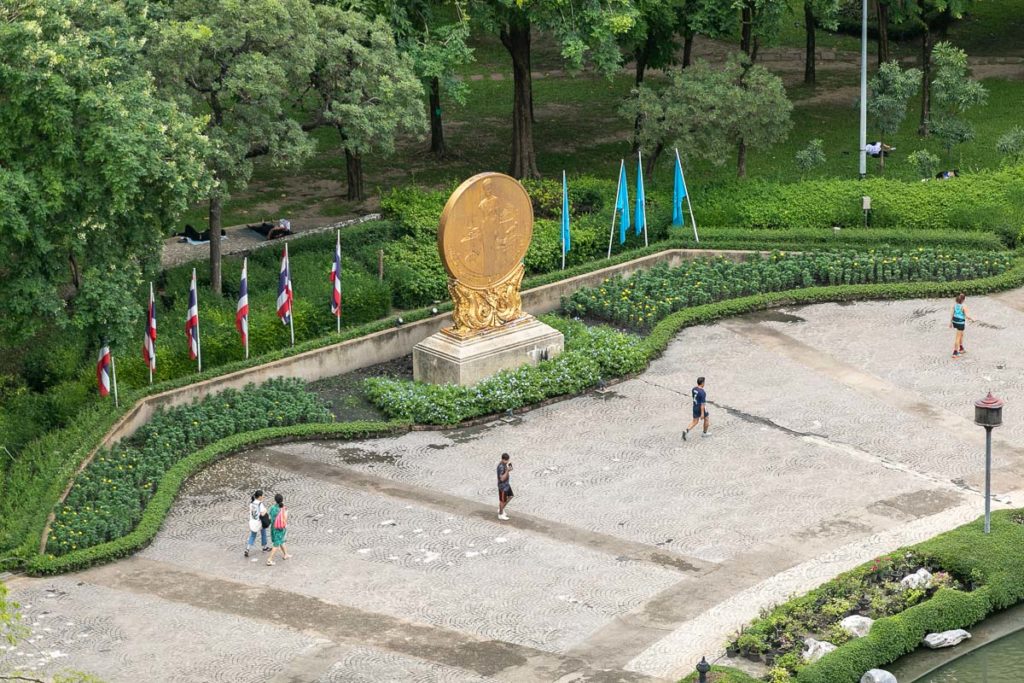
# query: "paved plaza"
839,432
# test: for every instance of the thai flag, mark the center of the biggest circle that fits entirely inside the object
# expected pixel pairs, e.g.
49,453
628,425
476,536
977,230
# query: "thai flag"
149,340
242,310
336,280
103,371
284,290
192,320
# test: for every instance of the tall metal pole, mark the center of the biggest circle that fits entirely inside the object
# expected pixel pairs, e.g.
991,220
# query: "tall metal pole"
864,90
988,479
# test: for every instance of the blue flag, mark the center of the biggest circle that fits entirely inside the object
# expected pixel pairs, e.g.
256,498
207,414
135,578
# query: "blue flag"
641,211
566,245
622,204
678,195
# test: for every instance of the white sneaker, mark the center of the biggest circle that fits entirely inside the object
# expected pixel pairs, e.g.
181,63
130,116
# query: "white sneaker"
502,516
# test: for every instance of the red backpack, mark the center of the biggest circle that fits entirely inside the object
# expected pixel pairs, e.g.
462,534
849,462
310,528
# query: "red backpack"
281,521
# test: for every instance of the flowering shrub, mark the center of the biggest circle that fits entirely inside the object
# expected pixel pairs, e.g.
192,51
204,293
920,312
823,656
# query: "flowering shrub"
591,353
107,499
645,298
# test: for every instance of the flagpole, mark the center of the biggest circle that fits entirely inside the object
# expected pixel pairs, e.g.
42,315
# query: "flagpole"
338,283
563,221
245,269
693,221
291,304
113,377
615,211
640,166
149,339
199,344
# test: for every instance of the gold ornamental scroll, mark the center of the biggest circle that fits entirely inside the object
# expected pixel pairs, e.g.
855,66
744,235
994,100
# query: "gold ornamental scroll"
485,230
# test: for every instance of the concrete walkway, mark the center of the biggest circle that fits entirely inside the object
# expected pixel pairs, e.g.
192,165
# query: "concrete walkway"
840,432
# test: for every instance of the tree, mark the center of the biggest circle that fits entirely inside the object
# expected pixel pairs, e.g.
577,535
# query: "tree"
889,12
367,89
823,13
925,162
95,168
890,91
759,21
934,18
711,18
811,156
437,46
586,30
240,64
707,110
1011,145
652,41
953,93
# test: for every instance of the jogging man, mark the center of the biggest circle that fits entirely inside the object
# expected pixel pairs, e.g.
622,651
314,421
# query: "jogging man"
504,487
700,408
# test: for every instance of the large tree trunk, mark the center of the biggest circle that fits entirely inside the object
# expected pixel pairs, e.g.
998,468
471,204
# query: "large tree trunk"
651,161
437,146
215,278
747,30
882,13
687,48
809,24
515,36
926,81
741,160
353,175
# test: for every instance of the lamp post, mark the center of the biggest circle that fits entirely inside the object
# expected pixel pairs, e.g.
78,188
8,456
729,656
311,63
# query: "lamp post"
864,89
702,670
988,412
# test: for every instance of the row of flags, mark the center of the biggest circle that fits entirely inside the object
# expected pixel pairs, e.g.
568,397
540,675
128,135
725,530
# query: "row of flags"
106,376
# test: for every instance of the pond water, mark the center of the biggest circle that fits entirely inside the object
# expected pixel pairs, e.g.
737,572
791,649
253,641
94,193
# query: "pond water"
999,662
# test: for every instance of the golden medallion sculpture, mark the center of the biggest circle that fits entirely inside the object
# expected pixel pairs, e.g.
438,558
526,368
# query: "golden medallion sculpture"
485,230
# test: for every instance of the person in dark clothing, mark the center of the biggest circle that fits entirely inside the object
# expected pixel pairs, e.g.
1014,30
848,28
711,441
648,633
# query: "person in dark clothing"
700,408
504,487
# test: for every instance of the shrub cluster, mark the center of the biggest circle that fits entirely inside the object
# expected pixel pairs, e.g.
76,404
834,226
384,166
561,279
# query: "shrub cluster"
591,353
643,299
108,498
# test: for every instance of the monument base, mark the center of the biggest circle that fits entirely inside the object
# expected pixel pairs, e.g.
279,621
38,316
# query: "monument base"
445,359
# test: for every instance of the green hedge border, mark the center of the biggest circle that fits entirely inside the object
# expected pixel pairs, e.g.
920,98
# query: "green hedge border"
656,342
730,675
172,481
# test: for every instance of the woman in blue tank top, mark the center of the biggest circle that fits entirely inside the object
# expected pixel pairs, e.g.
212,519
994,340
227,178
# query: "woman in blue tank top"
958,323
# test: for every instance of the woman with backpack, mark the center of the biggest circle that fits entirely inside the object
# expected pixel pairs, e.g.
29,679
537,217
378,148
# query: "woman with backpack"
259,520
959,323
278,528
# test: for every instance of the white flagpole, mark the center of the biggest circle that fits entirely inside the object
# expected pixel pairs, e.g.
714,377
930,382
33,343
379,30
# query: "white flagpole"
148,338
245,269
563,222
113,377
199,345
337,316
615,211
640,161
693,221
291,311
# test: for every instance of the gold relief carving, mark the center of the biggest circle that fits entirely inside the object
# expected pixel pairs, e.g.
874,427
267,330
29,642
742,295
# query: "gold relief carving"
485,230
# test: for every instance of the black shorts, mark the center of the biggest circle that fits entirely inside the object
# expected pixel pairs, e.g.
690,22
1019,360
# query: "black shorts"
958,326
696,413
505,494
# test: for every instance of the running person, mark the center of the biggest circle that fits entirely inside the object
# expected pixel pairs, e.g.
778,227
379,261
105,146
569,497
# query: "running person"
959,323
700,408
504,487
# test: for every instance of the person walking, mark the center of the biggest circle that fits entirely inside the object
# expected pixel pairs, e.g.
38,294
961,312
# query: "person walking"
700,408
504,487
959,323
259,520
278,528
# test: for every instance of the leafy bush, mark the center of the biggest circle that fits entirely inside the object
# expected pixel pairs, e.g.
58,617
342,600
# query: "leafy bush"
925,162
811,156
643,299
796,239
590,355
725,674
108,497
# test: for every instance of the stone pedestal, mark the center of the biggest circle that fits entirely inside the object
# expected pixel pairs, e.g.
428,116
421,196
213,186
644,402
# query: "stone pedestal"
445,359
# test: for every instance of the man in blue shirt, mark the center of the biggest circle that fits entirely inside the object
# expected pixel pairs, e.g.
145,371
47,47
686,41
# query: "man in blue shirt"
504,487
700,408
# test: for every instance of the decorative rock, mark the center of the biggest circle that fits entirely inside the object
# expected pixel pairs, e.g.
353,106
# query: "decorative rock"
878,676
946,638
922,578
816,649
856,625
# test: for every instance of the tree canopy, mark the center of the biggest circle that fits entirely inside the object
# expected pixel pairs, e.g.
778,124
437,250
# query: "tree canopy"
890,91
94,166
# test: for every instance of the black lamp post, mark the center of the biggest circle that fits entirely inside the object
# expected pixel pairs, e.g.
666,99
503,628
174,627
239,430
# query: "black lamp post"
988,412
702,670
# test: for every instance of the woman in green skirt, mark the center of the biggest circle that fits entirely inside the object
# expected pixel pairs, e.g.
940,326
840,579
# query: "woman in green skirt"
278,528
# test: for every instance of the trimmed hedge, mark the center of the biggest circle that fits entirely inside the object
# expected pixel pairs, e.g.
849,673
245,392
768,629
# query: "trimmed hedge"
994,561
726,674
160,504
793,239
